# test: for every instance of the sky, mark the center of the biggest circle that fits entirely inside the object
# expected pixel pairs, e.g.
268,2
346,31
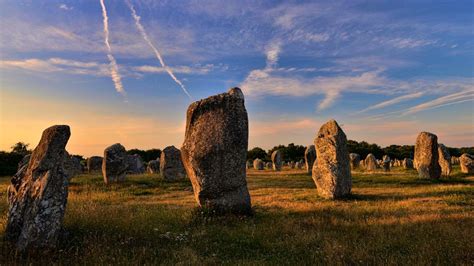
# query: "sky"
126,71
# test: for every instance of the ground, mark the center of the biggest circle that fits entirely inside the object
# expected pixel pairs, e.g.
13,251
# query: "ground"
391,218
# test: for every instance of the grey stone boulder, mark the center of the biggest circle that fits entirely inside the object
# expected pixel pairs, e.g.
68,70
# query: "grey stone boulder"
94,164
444,160
115,164
135,164
407,163
277,160
258,164
153,167
309,158
426,156
370,162
386,163
331,171
171,164
214,152
72,165
37,200
354,160
466,161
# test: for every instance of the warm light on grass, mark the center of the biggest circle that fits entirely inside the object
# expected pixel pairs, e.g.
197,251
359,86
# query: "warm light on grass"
391,218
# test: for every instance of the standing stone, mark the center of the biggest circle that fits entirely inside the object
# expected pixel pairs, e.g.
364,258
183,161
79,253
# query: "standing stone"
153,167
444,160
407,163
292,165
331,171
249,164
24,162
214,152
277,160
309,158
37,200
355,160
386,163
72,165
258,164
454,160
115,164
269,165
171,165
426,156
466,161
94,164
370,162
135,164
299,165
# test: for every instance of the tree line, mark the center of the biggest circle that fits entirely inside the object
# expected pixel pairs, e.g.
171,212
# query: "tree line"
291,152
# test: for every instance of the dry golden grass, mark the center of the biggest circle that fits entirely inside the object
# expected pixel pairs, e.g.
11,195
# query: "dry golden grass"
391,218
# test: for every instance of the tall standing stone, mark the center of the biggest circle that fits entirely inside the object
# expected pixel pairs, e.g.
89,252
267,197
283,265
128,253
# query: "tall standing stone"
331,171
444,160
426,156
370,162
407,163
309,158
135,164
354,160
37,200
94,164
214,152
277,160
115,164
386,163
153,167
171,165
466,161
72,165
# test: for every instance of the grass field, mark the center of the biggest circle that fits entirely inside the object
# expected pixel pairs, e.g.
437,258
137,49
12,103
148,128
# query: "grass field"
392,218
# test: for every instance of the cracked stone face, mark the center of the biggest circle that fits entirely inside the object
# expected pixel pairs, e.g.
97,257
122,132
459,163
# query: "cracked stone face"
215,149
171,165
426,156
37,200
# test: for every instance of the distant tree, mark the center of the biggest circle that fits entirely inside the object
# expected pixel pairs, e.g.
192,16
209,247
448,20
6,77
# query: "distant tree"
363,148
146,155
257,153
9,163
20,148
291,152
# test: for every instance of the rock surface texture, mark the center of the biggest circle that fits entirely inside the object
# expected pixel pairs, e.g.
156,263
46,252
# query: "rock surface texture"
94,164
258,164
214,152
115,164
309,158
153,167
331,171
426,156
171,165
37,200
370,162
444,160
135,164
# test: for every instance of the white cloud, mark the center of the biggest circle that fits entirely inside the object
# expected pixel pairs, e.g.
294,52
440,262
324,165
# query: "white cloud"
454,98
393,101
65,7
200,70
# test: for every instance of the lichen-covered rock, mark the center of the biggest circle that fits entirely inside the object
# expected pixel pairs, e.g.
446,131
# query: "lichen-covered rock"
153,167
115,164
386,163
426,156
370,162
466,161
444,160
94,164
277,160
258,164
37,200
354,160
135,164
214,152
407,163
309,158
331,171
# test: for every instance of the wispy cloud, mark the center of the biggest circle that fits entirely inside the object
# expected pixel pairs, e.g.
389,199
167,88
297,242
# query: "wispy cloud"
393,101
58,65
450,99
65,7
114,72
142,31
200,70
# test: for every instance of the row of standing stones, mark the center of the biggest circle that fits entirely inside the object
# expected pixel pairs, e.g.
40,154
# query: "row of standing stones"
213,156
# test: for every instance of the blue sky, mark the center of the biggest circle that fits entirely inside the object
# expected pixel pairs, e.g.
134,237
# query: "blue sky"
385,70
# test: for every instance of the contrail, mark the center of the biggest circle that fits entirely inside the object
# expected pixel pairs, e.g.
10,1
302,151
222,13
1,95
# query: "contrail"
158,55
113,63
